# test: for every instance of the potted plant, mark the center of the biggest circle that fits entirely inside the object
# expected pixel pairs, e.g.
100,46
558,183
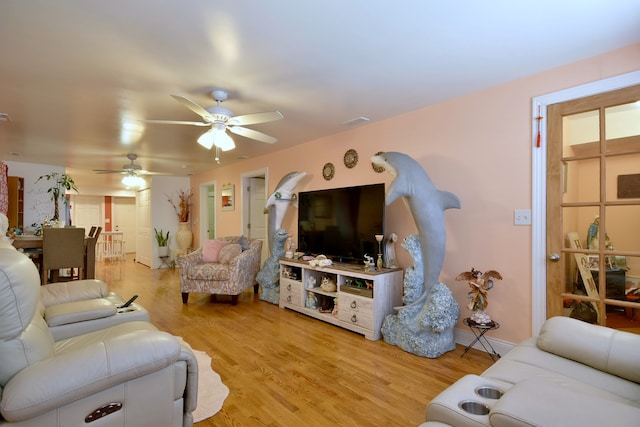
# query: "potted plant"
182,206
163,242
61,181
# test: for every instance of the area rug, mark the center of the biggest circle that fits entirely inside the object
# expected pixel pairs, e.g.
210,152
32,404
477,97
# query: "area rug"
211,391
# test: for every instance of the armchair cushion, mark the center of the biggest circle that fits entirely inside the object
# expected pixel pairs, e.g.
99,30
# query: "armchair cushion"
244,244
229,252
211,249
208,271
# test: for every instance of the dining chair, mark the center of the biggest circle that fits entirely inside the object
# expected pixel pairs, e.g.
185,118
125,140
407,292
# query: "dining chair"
95,232
62,248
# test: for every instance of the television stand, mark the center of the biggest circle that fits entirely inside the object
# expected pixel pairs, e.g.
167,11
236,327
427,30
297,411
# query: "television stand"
360,303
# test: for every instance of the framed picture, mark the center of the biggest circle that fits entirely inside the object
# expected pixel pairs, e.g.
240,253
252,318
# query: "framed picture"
228,197
592,262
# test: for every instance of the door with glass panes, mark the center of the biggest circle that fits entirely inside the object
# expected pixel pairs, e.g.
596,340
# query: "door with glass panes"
593,208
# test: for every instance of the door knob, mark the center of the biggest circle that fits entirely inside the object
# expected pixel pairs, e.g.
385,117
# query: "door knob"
554,257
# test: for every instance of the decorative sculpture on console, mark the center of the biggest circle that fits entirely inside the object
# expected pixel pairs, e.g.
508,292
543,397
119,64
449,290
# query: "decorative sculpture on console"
424,325
269,276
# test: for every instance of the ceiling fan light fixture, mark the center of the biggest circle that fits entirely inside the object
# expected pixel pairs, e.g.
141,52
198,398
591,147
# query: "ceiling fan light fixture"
223,141
206,139
133,180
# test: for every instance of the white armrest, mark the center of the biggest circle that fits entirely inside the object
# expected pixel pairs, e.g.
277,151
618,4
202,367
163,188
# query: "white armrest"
77,290
79,311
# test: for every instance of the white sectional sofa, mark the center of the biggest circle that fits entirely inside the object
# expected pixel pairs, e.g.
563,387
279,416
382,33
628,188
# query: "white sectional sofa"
571,374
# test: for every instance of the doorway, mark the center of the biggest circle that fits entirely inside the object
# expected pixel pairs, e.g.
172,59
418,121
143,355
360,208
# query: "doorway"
541,247
594,241
207,211
124,221
254,196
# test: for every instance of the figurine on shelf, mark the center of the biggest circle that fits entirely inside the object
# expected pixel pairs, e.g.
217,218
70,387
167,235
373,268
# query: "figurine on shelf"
328,284
320,261
369,265
311,282
480,283
312,301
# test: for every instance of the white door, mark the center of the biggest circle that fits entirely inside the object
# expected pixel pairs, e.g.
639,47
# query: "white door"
211,211
143,227
256,226
124,221
87,211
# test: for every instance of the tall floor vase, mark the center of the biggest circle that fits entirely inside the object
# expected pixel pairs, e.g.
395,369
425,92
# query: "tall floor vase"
184,236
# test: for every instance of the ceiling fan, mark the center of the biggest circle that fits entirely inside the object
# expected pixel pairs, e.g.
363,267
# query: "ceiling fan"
132,172
220,119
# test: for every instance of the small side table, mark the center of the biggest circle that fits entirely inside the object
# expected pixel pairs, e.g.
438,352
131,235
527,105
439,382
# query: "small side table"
164,261
479,330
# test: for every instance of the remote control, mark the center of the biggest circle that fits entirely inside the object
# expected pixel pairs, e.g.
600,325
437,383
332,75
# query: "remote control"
128,303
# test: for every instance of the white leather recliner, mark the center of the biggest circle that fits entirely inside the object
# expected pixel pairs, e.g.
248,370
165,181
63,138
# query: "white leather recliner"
130,374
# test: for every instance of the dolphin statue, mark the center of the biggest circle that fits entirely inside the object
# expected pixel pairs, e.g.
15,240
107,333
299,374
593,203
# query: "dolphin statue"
426,205
280,199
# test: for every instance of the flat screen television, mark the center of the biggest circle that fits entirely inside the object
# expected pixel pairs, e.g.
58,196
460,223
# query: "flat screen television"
341,223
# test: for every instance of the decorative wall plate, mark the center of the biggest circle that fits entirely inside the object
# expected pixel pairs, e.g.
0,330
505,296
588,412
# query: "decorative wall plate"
350,158
376,168
328,170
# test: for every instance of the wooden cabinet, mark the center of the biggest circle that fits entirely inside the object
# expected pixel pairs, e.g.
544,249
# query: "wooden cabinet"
359,303
16,202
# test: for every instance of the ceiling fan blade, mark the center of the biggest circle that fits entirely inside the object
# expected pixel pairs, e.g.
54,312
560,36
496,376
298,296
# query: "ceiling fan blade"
101,171
253,134
177,122
194,107
252,119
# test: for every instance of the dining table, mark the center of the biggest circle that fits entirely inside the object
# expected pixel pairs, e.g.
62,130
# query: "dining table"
27,242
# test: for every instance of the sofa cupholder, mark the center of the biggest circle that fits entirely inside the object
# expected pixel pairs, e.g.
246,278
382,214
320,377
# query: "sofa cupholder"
473,407
489,392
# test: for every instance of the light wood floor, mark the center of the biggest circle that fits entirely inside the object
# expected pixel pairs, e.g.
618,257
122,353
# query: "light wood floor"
286,369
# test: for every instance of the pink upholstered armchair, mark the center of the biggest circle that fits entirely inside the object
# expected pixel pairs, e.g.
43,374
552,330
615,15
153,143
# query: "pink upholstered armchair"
224,266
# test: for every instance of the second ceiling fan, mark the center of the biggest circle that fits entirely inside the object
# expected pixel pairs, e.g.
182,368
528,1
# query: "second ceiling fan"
221,119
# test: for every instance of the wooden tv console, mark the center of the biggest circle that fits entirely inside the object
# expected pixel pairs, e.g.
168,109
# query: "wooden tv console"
363,298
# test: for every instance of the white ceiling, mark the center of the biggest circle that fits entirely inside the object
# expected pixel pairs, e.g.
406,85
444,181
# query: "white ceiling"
76,77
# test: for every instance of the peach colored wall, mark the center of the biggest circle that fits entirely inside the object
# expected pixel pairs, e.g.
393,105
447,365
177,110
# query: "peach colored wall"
477,146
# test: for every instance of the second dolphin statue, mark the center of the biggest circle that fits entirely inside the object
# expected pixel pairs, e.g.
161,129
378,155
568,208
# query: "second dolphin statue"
279,201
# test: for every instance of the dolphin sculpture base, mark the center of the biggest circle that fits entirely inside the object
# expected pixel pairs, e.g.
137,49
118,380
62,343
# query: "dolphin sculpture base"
269,276
425,331
424,328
